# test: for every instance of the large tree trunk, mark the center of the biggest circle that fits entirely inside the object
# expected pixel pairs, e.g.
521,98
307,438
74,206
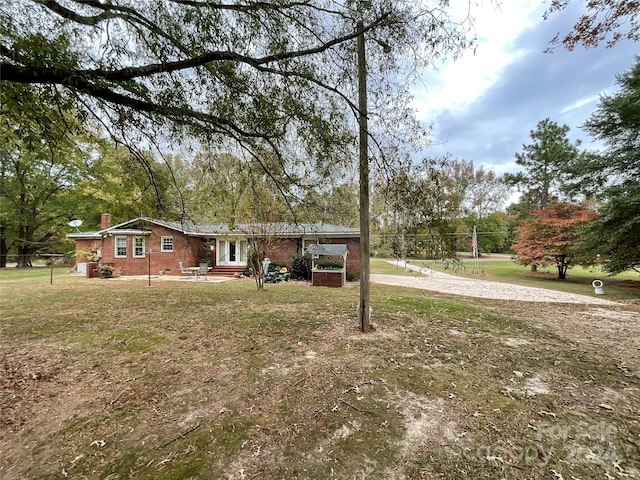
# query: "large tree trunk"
24,257
563,264
562,272
26,246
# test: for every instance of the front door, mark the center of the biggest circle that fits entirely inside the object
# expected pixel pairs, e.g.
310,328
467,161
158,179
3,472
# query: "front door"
232,252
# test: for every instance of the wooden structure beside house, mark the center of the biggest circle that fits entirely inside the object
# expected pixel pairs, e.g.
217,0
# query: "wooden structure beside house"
328,277
126,245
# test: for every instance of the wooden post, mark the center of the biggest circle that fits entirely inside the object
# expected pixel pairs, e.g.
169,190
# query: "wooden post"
51,270
149,268
365,290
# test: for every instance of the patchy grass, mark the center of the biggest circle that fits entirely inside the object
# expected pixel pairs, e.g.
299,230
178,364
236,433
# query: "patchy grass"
387,268
625,286
112,379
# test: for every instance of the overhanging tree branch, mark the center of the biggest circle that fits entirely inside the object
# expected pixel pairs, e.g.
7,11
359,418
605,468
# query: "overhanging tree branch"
91,20
253,6
34,74
80,84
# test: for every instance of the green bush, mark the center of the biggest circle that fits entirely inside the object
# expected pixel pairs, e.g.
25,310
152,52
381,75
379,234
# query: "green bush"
327,264
301,266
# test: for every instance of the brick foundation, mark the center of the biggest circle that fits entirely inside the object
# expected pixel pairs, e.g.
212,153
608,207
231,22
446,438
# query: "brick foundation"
327,278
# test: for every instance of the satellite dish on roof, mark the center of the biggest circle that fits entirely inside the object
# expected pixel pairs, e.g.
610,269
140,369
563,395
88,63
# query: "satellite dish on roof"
75,224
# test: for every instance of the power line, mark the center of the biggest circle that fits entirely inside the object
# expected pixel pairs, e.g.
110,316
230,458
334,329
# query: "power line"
434,235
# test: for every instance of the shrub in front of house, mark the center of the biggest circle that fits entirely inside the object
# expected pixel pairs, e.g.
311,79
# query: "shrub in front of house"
108,271
301,267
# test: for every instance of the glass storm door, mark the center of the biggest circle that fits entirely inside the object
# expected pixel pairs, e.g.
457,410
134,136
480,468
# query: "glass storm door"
232,252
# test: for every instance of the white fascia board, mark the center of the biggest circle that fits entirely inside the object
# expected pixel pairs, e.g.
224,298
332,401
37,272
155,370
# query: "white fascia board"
128,232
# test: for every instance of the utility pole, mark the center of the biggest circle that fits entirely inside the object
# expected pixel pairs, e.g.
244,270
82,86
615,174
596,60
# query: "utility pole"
365,246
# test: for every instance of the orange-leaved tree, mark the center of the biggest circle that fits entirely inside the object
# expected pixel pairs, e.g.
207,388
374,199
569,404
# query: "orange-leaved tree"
552,236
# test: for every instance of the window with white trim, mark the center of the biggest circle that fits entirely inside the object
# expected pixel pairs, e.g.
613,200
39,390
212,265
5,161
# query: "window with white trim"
166,244
121,247
138,247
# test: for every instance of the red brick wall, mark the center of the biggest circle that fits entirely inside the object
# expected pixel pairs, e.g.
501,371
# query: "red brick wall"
185,250
86,245
327,279
105,221
283,250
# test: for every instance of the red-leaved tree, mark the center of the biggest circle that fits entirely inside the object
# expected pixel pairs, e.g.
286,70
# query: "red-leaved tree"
551,236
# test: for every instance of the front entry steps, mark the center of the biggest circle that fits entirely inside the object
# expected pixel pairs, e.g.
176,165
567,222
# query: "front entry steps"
227,270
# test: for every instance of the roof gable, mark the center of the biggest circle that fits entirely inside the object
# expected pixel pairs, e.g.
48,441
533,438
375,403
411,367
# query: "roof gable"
142,223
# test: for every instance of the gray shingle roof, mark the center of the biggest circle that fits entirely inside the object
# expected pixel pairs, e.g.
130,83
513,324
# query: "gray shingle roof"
212,230
283,229
328,249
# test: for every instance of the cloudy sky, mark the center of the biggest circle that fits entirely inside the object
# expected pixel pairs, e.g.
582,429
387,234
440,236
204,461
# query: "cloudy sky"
482,107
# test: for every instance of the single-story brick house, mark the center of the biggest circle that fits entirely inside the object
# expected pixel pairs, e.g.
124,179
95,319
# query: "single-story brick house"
127,244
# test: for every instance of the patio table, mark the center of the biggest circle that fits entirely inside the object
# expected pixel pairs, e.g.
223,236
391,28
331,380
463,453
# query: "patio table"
193,271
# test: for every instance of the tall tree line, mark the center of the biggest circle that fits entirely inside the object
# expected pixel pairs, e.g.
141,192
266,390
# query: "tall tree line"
557,174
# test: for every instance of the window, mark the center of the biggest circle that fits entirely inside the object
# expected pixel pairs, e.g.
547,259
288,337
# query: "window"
306,242
138,246
121,246
166,244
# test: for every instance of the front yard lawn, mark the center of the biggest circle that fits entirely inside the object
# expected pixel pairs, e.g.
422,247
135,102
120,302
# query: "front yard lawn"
113,379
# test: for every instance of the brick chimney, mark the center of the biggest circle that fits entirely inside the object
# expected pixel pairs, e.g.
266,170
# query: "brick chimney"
105,221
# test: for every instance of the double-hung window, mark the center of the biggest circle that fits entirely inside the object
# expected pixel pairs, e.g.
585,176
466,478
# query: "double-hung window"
166,244
138,247
121,247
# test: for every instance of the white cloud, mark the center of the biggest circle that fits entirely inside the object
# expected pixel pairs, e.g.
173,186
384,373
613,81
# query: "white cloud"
483,107
458,83
590,100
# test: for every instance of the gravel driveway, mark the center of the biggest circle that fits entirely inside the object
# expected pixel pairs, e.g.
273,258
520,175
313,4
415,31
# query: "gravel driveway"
471,287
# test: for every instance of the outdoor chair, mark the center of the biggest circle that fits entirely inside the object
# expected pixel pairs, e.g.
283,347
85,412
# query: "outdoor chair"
203,270
186,271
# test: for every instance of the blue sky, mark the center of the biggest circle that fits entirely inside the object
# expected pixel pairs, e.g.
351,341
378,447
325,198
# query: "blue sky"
483,106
